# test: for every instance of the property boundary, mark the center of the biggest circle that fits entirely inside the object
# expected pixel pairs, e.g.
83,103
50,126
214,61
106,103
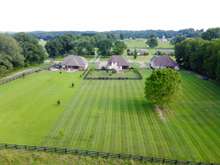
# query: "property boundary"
21,74
101,154
86,76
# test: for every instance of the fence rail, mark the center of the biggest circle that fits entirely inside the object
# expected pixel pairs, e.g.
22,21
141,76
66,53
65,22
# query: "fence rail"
87,77
22,74
101,154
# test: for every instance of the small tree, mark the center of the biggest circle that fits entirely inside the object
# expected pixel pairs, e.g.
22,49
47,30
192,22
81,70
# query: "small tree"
161,86
58,102
152,41
135,53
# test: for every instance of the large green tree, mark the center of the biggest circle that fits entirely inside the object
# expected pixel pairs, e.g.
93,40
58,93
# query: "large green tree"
104,47
199,55
31,49
152,41
211,33
161,86
119,47
10,54
177,39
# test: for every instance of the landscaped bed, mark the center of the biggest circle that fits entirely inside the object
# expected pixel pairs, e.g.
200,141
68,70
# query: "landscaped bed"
132,74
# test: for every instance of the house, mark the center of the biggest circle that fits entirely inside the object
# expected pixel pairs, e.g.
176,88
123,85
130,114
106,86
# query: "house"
158,62
73,62
118,63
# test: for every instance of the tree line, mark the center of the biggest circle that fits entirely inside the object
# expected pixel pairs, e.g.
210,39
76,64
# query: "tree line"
84,45
199,55
19,50
122,34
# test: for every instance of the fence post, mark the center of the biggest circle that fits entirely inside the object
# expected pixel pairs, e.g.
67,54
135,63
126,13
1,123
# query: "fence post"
152,159
175,162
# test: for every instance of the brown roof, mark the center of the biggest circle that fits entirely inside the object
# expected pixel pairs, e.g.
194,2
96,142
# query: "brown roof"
119,60
73,60
163,61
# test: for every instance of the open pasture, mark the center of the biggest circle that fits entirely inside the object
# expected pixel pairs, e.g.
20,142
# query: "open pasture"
111,116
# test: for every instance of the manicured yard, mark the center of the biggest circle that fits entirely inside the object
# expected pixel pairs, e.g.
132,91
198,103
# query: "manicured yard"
111,116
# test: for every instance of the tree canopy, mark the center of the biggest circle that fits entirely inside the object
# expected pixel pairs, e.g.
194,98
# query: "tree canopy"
31,49
161,86
85,45
119,47
10,54
152,41
199,55
211,33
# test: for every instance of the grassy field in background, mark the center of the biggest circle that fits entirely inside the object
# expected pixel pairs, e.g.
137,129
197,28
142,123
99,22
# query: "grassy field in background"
136,43
141,44
111,116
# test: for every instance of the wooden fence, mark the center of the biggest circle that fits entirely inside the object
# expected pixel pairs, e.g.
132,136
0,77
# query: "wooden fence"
87,77
21,74
101,154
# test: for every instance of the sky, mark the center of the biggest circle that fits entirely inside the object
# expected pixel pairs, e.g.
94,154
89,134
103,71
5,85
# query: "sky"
106,15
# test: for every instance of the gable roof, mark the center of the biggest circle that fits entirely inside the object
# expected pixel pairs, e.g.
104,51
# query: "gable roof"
73,60
119,60
163,61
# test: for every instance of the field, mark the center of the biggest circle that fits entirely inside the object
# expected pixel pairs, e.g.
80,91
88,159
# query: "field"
137,43
111,116
141,44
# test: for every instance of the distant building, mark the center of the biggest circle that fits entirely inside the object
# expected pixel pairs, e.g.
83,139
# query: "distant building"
158,62
73,62
142,52
118,63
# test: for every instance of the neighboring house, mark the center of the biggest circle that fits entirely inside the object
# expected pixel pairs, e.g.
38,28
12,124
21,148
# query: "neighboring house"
118,63
142,52
73,62
163,62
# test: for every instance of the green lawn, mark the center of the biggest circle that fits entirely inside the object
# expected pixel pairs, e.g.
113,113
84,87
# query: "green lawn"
141,44
136,43
111,116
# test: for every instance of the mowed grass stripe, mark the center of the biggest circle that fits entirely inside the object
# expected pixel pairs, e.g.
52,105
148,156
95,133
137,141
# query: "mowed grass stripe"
100,127
108,118
79,118
126,133
140,146
84,121
64,124
148,138
51,137
190,131
92,120
202,120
